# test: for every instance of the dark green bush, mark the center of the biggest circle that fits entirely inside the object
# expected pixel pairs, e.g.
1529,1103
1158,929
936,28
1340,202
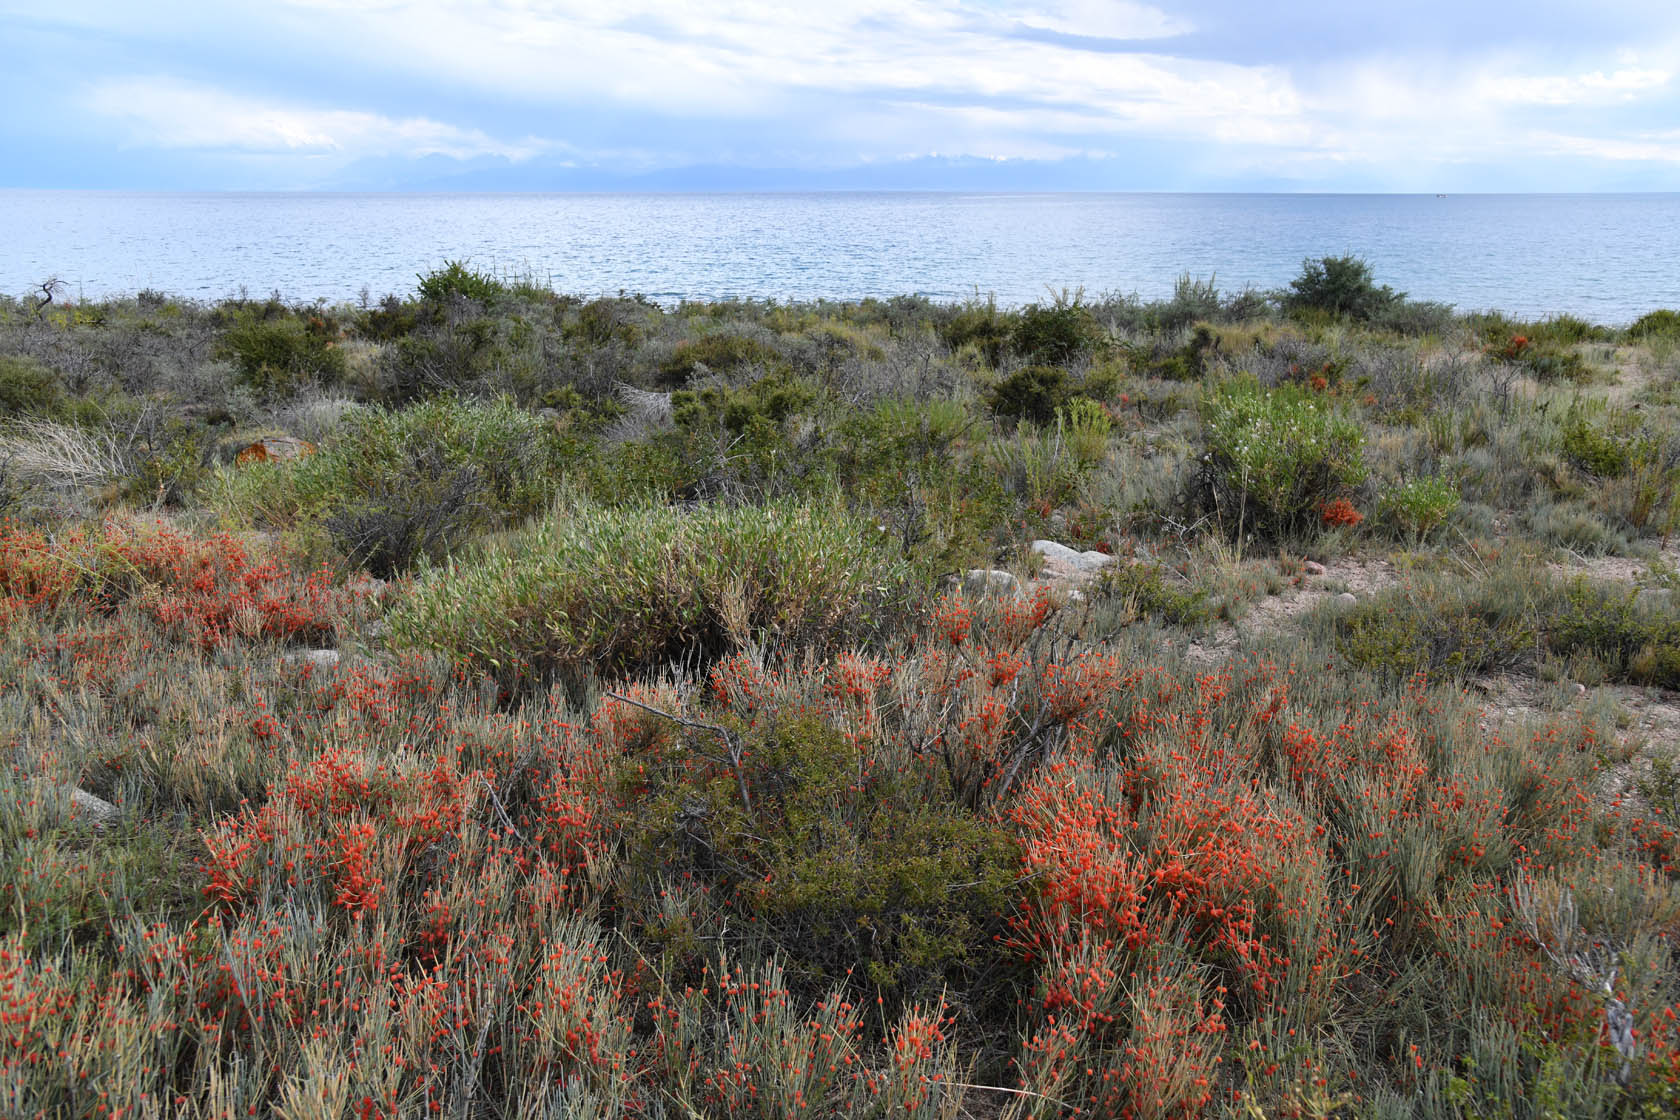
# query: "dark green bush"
1339,286
279,356
866,882
1632,637
1662,323
1057,334
1033,393
717,353
1186,362
422,507
1445,628
982,326
27,388
455,281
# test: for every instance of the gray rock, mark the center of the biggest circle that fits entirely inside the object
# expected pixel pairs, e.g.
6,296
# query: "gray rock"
1347,598
78,803
1313,568
1062,562
988,581
319,659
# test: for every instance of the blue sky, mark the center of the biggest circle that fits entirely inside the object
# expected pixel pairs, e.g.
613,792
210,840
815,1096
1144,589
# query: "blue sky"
1056,94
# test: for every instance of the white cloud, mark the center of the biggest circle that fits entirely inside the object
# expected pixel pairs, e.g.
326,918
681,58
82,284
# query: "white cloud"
1596,87
173,114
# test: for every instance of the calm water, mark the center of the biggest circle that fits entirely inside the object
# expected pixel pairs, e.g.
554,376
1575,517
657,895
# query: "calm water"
1608,258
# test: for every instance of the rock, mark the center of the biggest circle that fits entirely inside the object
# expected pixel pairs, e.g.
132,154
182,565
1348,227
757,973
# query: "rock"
318,659
1580,689
274,449
1313,568
77,802
1347,599
987,581
1062,562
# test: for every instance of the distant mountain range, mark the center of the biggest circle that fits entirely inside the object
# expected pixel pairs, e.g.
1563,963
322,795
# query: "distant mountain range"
923,174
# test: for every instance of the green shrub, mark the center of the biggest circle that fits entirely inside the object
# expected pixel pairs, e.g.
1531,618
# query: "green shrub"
1609,446
1152,591
635,589
981,326
278,356
1631,637
1057,334
1445,627
27,388
853,880
770,401
1188,362
1339,286
1662,323
455,281
717,353
1418,506
392,486
1276,459
1033,393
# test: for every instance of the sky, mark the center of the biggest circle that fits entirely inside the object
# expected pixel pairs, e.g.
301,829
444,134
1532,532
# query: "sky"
1207,95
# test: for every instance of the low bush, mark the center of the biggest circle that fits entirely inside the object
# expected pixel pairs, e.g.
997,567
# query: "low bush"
27,388
637,589
717,353
1275,460
1662,323
278,356
455,281
1341,287
1417,507
1056,334
1446,628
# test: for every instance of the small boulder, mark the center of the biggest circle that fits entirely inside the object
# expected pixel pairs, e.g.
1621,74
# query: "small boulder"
1347,599
273,449
318,659
1062,562
987,581
1313,568
77,803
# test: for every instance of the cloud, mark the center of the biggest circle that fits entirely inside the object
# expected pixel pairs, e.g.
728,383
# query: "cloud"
1597,87
168,113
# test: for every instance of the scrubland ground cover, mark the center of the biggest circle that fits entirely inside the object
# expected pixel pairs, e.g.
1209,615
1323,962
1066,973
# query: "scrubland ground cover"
661,769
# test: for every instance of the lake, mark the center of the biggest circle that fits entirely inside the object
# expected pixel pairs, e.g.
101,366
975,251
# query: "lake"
1608,258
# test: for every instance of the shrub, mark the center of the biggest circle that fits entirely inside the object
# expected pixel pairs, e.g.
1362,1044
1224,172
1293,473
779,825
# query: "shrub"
1445,628
717,353
1188,362
1276,458
1339,286
1662,323
1632,638
1418,506
1610,448
456,281
27,388
1033,393
636,589
982,326
1056,334
279,356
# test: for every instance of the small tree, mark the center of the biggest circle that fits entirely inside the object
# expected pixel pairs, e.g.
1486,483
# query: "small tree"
1339,286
